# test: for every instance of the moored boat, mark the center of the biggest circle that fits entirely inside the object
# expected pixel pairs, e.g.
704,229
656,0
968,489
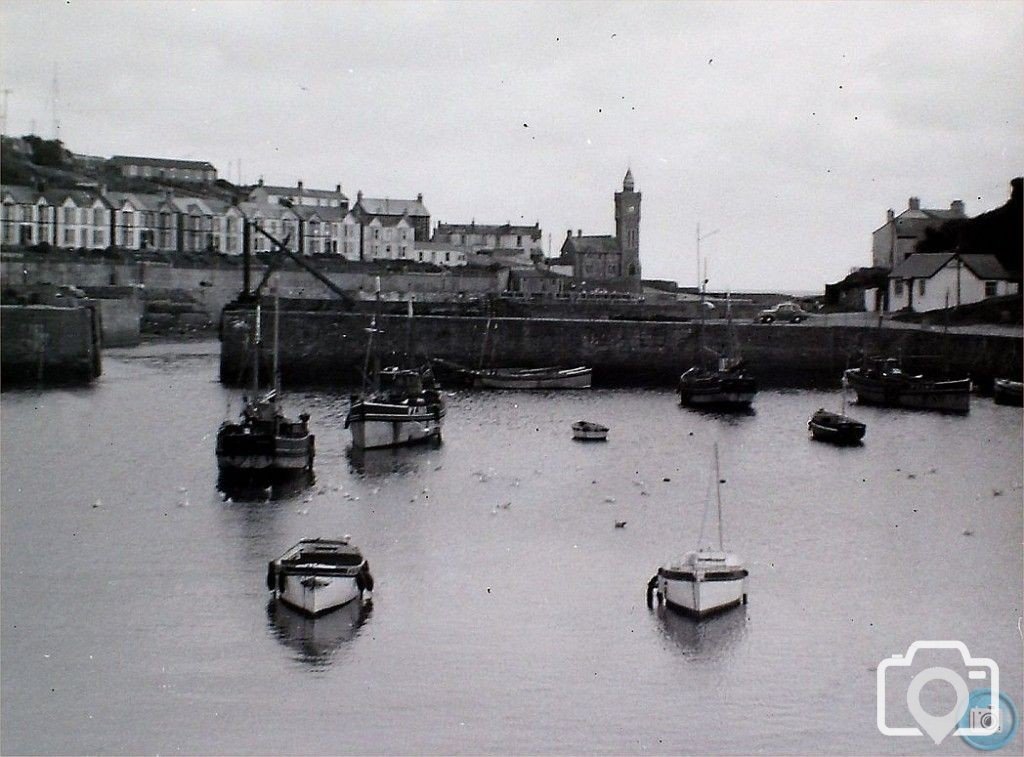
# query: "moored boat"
317,575
705,581
407,408
881,381
588,431
265,441
836,428
1008,392
728,386
552,377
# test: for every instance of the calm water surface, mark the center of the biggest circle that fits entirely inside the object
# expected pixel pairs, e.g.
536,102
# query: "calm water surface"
509,614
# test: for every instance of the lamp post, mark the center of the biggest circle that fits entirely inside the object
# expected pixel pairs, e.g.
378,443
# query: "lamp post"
699,238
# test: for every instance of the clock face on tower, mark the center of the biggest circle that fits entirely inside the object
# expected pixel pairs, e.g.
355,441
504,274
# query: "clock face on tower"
631,208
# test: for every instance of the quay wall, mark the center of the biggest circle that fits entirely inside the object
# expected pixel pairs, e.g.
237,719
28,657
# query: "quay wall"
49,345
329,348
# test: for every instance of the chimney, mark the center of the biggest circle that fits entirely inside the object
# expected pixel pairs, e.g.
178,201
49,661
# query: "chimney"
359,195
260,182
568,233
300,185
579,233
890,215
914,203
419,197
338,188
957,206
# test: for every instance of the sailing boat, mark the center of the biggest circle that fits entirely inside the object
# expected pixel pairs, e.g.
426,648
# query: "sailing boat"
705,581
837,428
264,442
726,386
397,406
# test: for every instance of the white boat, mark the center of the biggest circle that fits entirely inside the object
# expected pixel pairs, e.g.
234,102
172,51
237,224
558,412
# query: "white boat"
589,432
553,377
317,575
406,409
705,581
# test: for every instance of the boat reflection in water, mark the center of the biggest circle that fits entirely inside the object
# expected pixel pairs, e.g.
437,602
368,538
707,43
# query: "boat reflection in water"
256,490
706,639
378,463
315,641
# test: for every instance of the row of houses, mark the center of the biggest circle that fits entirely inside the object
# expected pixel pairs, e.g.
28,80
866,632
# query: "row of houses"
309,221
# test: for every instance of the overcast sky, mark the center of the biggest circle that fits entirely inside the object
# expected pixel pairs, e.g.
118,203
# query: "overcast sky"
788,128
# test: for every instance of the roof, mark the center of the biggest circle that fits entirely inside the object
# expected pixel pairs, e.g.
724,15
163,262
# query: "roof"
869,277
441,246
306,212
147,201
21,195
986,267
81,197
533,232
375,206
127,160
914,222
922,265
297,191
265,210
590,244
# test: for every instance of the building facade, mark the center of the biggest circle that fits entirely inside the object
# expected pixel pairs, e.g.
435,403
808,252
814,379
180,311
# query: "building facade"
414,211
489,237
299,196
934,281
189,171
892,242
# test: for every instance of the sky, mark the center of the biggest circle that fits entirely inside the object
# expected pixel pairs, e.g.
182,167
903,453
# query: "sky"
785,130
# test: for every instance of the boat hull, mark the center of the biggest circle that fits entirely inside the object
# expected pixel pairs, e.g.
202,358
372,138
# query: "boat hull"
952,396
702,597
573,378
836,429
254,453
736,392
316,594
1007,392
590,436
378,425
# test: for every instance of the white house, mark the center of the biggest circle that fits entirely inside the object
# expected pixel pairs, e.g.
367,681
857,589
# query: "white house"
933,281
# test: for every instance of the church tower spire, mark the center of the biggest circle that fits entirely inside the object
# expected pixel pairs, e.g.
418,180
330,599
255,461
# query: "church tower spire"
627,229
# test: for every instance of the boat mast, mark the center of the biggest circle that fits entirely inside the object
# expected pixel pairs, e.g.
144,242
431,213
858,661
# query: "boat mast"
718,494
277,328
258,340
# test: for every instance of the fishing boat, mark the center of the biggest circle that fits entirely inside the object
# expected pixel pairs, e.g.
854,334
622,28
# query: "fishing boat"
265,443
589,432
728,385
1008,392
881,381
398,406
837,428
705,581
317,575
404,408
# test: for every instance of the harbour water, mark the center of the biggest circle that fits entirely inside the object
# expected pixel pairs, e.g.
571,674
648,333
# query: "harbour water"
509,612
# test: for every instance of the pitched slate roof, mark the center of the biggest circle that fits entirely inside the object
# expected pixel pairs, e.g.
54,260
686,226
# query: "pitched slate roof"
922,265
986,267
21,195
140,200
375,206
127,160
585,244
306,212
533,232
81,197
303,191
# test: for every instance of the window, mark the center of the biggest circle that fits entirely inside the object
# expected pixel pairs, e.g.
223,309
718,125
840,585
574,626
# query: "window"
69,237
898,288
97,217
991,288
69,215
376,233
920,286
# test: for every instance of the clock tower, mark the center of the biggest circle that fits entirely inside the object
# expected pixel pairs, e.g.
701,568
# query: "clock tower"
627,228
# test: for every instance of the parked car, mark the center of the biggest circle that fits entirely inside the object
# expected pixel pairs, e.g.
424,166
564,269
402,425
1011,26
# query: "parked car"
789,312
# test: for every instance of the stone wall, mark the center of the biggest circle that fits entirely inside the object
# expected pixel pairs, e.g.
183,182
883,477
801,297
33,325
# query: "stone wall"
329,348
49,345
